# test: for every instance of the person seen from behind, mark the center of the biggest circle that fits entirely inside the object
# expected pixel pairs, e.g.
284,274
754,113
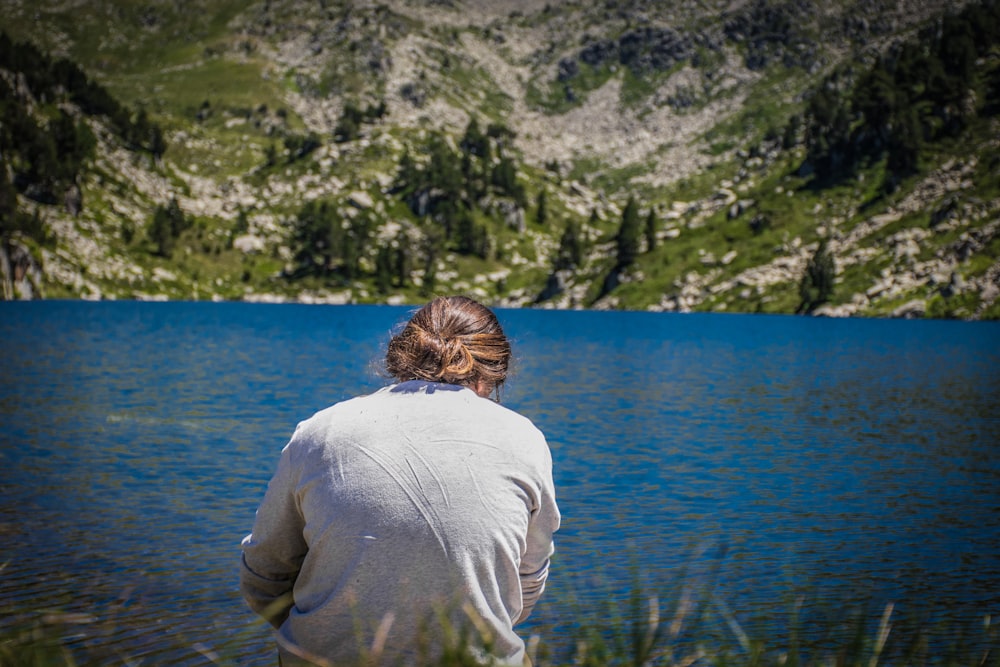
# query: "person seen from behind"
414,522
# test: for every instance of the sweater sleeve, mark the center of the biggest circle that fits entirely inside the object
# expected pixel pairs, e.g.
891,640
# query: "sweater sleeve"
273,552
544,522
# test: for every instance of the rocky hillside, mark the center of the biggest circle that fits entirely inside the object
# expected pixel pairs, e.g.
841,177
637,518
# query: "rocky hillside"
791,156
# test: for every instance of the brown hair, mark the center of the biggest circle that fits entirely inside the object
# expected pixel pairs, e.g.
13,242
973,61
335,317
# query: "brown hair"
454,340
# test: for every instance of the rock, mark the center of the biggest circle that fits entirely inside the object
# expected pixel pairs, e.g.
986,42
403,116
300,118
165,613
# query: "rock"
248,243
20,272
827,310
513,215
911,309
955,285
739,207
725,195
163,275
360,199
73,200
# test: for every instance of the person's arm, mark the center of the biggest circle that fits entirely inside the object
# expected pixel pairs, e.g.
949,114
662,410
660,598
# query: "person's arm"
544,522
273,552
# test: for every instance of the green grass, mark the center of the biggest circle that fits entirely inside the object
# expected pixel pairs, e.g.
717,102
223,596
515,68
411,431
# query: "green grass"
764,112
468,87
552,97
638,89
642,627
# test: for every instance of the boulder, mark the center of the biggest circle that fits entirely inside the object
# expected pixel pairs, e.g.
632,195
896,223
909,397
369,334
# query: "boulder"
360,199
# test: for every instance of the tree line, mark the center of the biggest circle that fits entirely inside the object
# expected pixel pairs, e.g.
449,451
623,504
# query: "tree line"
921,91
451,191
44,143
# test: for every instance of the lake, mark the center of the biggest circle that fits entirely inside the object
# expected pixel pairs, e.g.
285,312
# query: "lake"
767,468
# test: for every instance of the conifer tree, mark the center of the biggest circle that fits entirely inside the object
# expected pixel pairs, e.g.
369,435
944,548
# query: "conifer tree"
407,175
167,225
401,262
431,248
650,230
157,143
383,269
474,142
877,100
816,286
349,124
504,178
443,171
472,237
178,221
541,208
905,142
8,200
570,252
629,234
160,232
315,238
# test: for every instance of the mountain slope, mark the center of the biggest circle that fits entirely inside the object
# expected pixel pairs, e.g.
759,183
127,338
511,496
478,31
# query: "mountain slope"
699,111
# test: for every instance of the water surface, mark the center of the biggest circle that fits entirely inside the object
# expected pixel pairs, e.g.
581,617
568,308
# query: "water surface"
758,463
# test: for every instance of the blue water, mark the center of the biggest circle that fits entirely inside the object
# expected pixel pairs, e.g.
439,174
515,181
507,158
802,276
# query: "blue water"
755,465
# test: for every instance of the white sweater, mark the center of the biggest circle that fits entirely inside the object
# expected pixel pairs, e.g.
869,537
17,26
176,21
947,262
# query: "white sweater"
391,515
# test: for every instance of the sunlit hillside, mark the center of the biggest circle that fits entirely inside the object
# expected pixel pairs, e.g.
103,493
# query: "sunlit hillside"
800,156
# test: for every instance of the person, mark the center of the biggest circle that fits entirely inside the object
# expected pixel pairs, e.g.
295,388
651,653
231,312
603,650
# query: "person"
412,521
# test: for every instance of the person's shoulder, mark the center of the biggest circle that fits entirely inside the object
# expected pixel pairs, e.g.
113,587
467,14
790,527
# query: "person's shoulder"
512,418
341,410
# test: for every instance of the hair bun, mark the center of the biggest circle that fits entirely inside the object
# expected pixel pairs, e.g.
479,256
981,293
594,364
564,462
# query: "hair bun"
454,340
458,363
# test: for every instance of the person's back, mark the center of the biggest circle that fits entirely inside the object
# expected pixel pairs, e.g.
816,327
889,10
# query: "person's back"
398,519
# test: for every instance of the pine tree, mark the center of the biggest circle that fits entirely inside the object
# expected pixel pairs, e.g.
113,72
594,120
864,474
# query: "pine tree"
8,200
443,171
650,230
504,179
876,99
905,142
270,155
474,142
407,173
349,124
383,269
570,252
401,262
629,234
315,238
157,143
431,248
816,286
160,232
541,208
828,134
178,221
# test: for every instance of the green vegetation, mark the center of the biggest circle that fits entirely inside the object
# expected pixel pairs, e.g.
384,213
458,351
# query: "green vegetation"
816,286
925,91
640,628
375,194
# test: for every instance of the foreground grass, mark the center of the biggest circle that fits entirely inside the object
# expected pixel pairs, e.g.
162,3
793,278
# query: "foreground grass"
640,631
